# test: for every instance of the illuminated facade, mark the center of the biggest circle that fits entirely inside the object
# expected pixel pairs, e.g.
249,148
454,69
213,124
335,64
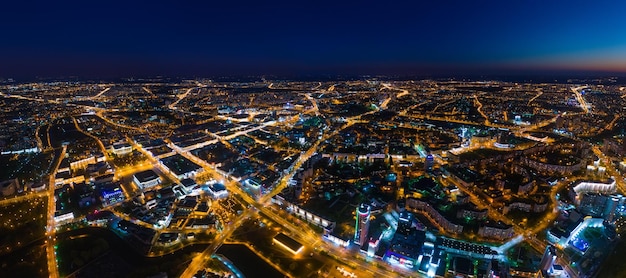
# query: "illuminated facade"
549,257
362,224
112,196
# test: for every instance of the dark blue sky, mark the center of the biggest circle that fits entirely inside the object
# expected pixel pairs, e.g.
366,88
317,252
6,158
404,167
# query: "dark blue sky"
123,38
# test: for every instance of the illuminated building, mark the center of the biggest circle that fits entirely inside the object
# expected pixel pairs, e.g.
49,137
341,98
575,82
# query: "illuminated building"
372,247
121,148
591,187
405,248
496,230
188,184
63,217
613,204
601,205
111,195
180,167
217,190
549,257
503,140
146,179
288,243
429,163
362,224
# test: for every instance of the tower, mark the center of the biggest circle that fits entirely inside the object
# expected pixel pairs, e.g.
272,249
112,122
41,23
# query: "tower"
613,203
429,163
362,224
549,256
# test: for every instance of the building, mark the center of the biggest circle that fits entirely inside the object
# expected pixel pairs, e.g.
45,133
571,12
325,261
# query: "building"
288,243
593,204
503,140
602,205
583,187
102,179
111,194
362,224
146,179
613,205
217,190
337,238
497,230
180,167
405,248
9,187
121,149
548,259
436,218
429,163
188,184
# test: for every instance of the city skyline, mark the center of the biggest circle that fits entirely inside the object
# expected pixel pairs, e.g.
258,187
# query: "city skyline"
322,138
117,39
369,177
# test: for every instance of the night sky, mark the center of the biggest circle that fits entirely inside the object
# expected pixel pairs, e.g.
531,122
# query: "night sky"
203,38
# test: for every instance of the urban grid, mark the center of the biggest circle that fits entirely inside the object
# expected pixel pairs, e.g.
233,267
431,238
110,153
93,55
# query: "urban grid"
366,177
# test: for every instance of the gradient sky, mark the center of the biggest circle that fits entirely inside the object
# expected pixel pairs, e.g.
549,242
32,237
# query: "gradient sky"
144,38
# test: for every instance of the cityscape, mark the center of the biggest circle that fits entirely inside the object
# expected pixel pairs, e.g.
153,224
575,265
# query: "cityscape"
370,177
232,139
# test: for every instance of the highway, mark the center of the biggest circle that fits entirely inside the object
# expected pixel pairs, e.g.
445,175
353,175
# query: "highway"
148,91
198,262
539,93
100,94
580,98
51,242
180,97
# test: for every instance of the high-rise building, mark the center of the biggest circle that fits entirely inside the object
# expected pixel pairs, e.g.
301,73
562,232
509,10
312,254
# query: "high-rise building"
429,163
593,204
362,224
613,204
549,256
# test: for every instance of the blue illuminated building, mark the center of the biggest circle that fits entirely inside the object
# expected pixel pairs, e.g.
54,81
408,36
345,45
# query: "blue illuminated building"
111,195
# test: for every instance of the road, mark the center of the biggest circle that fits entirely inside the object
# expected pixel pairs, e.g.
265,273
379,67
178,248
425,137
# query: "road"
315,109
610,169
29,98
302,232
148,91
479,107
23,197
580,98
179,98
539,93
102,147
100,115
388,86
100,94
51,242
258,205
198,262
